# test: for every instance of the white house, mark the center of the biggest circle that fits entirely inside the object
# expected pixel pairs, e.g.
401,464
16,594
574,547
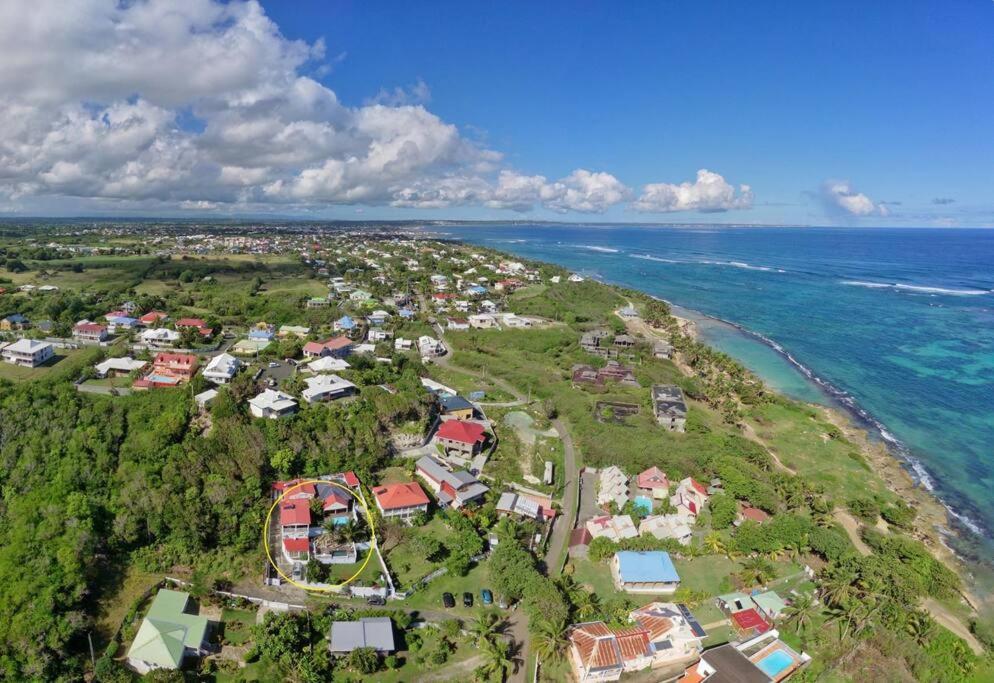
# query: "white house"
401,344
160,336
272,404
28,353
222,369
118,366
430,347
612,486
327,364
326,388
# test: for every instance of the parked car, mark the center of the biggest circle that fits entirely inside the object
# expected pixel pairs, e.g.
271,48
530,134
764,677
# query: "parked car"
298,571
448,601
467,599
487,596
273,364
376,600
502,603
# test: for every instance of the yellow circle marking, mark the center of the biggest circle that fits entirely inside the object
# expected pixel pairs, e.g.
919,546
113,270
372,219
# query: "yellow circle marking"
269,516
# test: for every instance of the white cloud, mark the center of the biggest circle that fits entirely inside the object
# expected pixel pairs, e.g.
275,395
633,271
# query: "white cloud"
840,197
196,104
709,193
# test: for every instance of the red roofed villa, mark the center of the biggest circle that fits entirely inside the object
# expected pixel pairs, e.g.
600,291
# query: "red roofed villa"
337,347
461,436
401,501
654,480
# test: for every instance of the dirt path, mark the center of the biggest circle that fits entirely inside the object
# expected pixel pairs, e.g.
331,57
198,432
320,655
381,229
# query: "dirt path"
851,526
461,670
946,618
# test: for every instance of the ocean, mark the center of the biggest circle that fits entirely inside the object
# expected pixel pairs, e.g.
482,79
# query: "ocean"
895,325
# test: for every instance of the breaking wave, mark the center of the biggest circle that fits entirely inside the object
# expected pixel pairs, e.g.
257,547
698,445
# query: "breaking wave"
921,289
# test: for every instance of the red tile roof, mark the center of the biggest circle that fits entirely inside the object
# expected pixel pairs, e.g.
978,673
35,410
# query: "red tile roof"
153,316
175,359
313,347
295,513
350,479
92,328
701,488
755,514
463,432
653,478
396,496
634,643
296,545
190,322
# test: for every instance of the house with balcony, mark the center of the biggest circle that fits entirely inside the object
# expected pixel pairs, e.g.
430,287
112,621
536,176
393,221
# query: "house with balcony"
169,635
28,353
272,404
452,488
400,501
222,368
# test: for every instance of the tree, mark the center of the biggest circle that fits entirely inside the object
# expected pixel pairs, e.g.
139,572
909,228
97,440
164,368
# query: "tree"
723,510
756,570
426,546
800,614
549,639
920,627
713,543
365,660
485,628
497,661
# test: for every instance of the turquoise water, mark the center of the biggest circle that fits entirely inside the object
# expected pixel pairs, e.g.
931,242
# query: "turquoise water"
644,504
775,663
895,325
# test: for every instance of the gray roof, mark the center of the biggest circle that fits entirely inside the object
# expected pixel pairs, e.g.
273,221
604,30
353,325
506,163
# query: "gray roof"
374,632
668,399
732,666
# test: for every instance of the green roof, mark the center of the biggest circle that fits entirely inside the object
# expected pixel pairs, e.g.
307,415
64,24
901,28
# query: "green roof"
731,598
166,630
770,602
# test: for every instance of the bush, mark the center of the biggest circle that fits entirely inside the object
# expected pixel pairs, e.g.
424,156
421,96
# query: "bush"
865,508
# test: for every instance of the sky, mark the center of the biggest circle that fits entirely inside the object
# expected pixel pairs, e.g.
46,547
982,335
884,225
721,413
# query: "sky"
840,113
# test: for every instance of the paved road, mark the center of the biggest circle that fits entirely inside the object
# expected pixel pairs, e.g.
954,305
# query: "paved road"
565,521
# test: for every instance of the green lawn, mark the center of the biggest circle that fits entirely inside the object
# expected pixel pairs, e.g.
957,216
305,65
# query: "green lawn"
430,597
408,566
709,574
237,625
466,384
63,360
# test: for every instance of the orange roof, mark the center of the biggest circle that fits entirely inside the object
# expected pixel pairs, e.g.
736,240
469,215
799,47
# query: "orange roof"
336,343
653,478
295,513
633,642
396,496
596,646
296,545
701,488
656,626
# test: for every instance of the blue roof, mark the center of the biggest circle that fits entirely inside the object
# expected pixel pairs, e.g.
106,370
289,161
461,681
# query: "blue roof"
260,334
406,313
346,321
650,566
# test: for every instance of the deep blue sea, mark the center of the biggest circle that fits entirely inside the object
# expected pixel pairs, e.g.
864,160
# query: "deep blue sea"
896,324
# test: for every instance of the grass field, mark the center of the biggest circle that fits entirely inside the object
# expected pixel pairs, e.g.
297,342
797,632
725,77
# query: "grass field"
237,625
63,360
430,597
408,566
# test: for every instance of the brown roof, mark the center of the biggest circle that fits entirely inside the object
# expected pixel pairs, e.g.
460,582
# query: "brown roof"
634,642
596,647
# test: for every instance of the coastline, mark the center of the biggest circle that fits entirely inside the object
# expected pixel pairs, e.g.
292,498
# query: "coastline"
885,456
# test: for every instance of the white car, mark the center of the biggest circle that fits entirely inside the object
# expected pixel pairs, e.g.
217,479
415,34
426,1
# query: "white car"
274,364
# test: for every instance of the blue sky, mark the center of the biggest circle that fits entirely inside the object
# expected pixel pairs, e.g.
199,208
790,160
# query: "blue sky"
895,97
829,113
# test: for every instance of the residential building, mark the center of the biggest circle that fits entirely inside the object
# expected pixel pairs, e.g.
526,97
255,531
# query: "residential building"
327,364
401,501
654,482
456,406
180,365
378,317
612,487
430,347
89,332
378,335
222,368
690,497
747,513
661,634
457,488
762,659
401,344
160,336
669,407
327,388
317,302
371,632
118,367
614,528
624,341
662,349
613,371
168,634
520,505
337,347
667,526
272,404
28,353
483,321
649,571
202,328
153,318
298,331
205,398
14,322
457,324
344,324
463,437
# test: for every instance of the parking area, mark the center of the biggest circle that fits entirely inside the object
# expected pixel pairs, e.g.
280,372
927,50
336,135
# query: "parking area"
588,497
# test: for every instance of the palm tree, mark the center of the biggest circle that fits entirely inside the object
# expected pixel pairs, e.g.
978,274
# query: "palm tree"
756,570
549,639
921,627
497,661
800,613
485,628
506,528
713,543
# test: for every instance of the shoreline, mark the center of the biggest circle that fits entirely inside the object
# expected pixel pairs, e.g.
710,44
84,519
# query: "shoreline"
932,523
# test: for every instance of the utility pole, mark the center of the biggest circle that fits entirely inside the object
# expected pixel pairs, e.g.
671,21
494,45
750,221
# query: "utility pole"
93,658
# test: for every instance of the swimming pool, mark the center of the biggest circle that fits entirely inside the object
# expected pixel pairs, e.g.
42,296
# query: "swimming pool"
644,504
775,663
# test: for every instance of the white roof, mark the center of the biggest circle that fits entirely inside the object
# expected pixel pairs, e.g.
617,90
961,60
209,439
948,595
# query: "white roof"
325,384
327,364
272,399
614,528
205,397
160,334
26,346
613,486
125,364
223,364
